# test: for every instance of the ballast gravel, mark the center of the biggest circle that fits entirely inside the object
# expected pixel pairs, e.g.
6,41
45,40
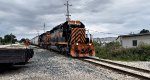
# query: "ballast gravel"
47,65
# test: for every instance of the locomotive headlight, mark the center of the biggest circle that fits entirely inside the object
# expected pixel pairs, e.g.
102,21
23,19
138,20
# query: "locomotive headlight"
77,43
90,44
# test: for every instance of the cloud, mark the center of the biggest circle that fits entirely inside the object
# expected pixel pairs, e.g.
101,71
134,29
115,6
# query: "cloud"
25,18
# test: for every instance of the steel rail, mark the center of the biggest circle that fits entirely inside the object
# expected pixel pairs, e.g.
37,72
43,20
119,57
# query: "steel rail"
134,71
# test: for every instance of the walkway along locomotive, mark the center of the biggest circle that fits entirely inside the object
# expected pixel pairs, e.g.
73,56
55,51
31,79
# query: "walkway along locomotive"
69,37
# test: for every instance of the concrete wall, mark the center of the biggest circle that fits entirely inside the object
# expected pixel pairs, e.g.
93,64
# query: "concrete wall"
127,42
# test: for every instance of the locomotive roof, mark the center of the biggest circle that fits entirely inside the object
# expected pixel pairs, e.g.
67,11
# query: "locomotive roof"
60,26
64,25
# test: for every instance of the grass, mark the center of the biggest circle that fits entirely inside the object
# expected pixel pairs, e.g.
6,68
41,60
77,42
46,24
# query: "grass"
114,51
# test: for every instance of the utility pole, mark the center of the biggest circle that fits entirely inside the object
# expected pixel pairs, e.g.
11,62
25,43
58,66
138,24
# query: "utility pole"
68,15
38,32
44,27
11,39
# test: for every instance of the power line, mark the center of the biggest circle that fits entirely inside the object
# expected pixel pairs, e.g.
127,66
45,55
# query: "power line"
104,32
44,27
38,32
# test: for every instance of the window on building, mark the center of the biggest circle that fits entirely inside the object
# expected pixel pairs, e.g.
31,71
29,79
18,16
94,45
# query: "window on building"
134,42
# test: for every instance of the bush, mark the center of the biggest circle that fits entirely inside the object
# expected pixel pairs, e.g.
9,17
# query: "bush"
114,51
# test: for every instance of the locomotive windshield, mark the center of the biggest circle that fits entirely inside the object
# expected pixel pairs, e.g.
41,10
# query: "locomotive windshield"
75,26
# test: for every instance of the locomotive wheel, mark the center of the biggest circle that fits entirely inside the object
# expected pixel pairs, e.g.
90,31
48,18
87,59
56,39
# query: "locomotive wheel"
67,51
49,47
60,49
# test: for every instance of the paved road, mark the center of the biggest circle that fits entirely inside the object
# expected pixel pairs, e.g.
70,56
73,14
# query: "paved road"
46,65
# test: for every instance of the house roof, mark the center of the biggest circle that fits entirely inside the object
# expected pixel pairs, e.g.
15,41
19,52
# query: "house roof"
133,35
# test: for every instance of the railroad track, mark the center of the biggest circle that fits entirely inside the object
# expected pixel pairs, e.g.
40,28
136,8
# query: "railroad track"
133,71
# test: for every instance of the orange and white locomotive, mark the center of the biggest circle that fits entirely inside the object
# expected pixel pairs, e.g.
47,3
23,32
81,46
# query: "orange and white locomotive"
69,37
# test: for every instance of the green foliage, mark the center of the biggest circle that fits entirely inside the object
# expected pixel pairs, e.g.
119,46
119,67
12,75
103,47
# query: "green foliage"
22,40
9,38
114,51
1,40
144,31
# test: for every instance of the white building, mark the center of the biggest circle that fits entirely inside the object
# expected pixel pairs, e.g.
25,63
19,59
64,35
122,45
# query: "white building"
133,40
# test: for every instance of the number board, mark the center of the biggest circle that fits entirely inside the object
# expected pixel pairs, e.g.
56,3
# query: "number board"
74,22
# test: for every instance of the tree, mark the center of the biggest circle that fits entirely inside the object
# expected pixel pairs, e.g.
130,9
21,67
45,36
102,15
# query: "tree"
10,38
144,31
1,39
22,40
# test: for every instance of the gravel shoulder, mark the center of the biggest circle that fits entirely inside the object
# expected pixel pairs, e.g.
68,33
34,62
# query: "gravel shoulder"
13,46
47,65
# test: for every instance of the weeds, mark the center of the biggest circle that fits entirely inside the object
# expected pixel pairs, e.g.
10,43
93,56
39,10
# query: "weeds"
114,51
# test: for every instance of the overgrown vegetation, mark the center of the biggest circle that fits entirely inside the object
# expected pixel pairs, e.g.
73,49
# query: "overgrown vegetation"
114,51
9,38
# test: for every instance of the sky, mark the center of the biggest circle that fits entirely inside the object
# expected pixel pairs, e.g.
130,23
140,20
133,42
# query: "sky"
103,18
